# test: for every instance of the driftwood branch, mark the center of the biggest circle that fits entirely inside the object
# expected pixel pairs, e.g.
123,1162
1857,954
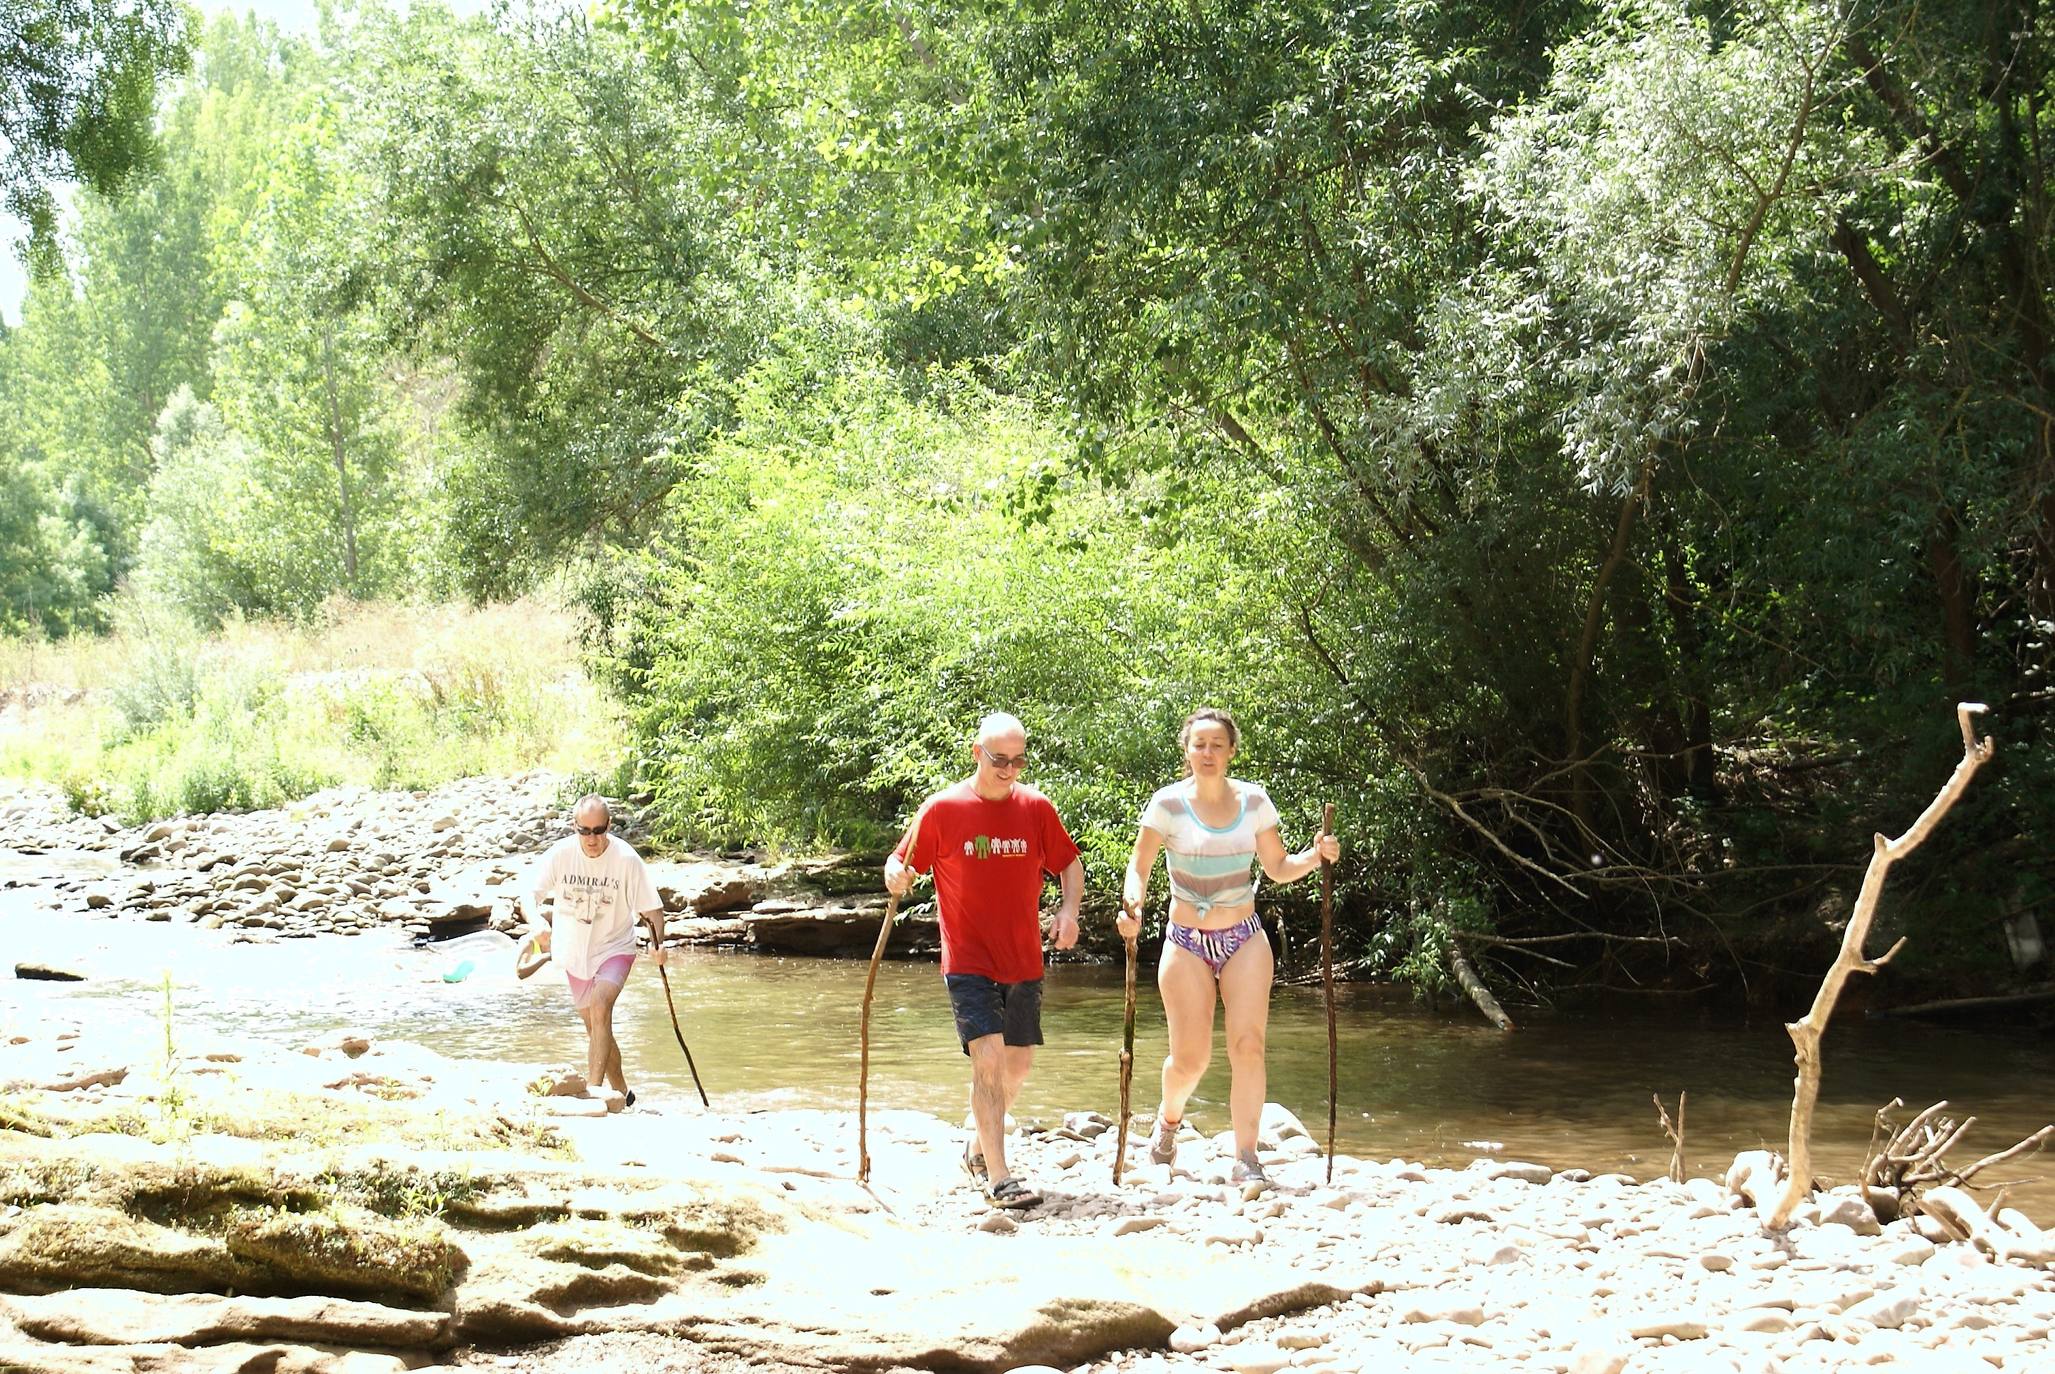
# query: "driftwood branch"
1675,1134
1905,1161
2030,1145
1474,986
1952,1004
2007,1235
1807,1031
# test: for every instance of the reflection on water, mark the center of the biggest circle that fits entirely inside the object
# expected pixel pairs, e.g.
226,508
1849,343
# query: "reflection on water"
77,863
773,1032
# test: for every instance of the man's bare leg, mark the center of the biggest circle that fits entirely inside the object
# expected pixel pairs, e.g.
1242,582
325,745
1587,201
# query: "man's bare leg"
602,1051
1019,1059
989,1100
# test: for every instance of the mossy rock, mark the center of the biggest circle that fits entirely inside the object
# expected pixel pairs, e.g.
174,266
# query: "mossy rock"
186,1191
722,1229
348,1250
395,1189
36,1181
16,1117
82,1246
597,1245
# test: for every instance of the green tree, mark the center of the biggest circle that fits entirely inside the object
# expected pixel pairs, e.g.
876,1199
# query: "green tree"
1554,318
224,536
53,568
130,316
44,366
153,264
553,218
299,367
78,88
847,583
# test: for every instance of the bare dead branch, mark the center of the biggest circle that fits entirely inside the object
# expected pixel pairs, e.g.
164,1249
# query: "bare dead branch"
2031,1145
1486,831
1806,1032
1674,1133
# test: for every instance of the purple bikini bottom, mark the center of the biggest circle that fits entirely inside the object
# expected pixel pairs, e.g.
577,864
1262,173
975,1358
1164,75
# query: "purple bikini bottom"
1216,947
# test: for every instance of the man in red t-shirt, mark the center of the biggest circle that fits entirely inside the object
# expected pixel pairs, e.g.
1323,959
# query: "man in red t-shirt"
988,840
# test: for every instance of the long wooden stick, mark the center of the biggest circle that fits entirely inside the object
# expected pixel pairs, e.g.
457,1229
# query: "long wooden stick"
870,984
681,1035
1127,1065
1807,1030
1327,981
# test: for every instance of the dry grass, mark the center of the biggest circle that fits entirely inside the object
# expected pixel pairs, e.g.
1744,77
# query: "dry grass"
158,720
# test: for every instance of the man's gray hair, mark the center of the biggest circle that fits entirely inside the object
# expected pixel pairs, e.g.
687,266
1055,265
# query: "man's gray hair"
593,799
1000,723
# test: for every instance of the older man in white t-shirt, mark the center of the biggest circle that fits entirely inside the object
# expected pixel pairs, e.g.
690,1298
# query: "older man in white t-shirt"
601,889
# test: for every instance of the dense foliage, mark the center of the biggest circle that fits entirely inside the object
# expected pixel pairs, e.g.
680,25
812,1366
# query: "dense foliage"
78,93
1594,443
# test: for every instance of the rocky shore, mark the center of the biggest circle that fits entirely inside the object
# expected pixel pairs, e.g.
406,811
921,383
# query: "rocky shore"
360,1207
435,864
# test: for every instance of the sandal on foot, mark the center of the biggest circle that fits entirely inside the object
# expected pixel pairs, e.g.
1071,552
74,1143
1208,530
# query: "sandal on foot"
1247,1171
1163,1145
1012,1193
974,1163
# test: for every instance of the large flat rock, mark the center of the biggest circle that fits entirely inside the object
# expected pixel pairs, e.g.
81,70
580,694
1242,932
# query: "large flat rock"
775,1256
120,1316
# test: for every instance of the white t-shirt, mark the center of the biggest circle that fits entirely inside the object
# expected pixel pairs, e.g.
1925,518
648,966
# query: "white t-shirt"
1210,867
597,901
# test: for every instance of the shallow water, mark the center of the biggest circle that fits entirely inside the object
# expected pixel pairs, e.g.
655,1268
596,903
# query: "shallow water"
777,1032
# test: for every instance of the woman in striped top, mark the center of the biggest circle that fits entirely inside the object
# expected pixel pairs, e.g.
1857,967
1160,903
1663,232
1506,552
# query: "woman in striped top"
1212,830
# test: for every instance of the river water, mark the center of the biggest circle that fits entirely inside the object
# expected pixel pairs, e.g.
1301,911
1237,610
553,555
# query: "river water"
779,1032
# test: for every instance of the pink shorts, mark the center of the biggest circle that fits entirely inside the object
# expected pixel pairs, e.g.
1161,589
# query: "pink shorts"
612,971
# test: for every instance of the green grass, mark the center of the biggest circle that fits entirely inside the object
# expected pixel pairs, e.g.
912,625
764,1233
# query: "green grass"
156,720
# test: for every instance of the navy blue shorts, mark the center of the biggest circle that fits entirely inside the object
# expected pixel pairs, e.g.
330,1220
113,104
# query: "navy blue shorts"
984,1007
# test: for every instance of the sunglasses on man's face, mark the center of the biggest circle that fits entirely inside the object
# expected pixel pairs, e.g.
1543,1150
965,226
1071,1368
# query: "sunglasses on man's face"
600,829
1004,762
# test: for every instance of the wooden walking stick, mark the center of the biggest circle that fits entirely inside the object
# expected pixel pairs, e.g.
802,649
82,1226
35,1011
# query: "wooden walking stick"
870,984
656,953
1127,1064
1327,977
681,1037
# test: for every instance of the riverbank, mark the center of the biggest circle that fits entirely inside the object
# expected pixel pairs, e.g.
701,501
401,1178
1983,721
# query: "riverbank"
374,1207
324,898
433,864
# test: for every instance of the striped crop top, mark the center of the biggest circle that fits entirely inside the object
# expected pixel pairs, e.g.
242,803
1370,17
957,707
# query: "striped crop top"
1210,867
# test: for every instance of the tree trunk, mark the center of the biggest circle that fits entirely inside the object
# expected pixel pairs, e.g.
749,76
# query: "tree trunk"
338,452
1587,645
1958,599
1467,979
1689,637
1647,671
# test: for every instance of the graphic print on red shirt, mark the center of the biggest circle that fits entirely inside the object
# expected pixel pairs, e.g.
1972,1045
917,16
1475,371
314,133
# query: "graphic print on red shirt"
988,858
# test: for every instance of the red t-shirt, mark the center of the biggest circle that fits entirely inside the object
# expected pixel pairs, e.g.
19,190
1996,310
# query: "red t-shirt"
988,858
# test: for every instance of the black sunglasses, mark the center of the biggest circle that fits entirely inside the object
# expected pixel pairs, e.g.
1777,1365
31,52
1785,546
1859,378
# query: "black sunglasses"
592,829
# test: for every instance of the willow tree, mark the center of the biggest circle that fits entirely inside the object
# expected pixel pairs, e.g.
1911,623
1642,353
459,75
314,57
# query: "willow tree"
1564,325
78,101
